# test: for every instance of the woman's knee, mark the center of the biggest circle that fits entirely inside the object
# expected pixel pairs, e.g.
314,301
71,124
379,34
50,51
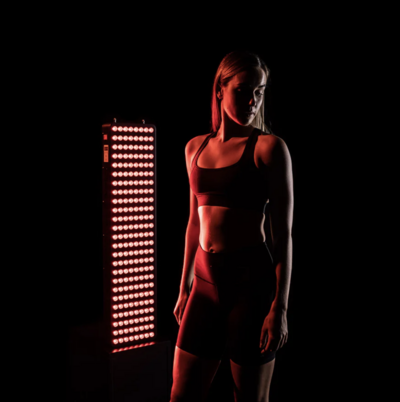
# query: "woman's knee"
252,383
192,376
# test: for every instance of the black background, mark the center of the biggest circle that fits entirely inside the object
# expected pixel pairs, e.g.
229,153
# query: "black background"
166,79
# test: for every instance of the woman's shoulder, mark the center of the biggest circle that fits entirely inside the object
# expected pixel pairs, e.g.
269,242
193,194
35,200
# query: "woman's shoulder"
271,140
195,142
191,148
272,147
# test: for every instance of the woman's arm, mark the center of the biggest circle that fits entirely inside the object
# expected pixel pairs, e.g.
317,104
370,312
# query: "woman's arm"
193,227
191,245
278,172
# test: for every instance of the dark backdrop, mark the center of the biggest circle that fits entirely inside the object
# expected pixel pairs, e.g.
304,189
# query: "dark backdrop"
168,83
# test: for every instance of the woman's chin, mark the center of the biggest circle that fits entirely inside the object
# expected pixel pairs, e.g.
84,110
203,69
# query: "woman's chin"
246,121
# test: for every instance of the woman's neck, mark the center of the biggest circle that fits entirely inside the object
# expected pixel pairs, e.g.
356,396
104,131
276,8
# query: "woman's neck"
229,129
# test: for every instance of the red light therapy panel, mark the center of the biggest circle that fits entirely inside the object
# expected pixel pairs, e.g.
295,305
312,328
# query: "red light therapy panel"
129,234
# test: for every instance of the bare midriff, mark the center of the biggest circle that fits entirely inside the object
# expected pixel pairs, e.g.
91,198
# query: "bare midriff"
225,229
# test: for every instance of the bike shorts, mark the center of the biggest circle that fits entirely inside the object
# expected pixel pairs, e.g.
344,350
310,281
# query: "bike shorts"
231,295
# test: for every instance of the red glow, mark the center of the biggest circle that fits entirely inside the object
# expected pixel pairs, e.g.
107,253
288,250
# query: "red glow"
130,283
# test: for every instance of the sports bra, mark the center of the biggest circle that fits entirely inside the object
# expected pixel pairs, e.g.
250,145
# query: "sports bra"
240,185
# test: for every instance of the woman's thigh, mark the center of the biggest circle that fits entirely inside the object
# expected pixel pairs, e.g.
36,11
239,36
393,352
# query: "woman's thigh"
248,304
203,330
244,327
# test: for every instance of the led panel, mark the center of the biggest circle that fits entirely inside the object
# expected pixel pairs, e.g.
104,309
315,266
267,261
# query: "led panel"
129,234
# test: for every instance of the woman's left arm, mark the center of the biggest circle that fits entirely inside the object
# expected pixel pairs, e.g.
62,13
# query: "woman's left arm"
278,173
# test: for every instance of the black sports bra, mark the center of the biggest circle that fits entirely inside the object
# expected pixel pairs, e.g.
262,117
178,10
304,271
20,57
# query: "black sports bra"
240,185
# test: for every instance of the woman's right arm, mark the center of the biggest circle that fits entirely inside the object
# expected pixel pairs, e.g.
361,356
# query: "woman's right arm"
193,227
191,245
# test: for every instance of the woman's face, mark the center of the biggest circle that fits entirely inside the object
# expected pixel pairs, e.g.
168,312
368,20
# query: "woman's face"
242,96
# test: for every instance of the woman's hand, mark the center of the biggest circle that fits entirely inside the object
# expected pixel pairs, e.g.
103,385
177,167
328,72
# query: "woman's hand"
180,305
274,330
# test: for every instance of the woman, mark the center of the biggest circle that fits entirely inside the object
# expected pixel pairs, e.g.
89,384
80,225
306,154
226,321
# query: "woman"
239,295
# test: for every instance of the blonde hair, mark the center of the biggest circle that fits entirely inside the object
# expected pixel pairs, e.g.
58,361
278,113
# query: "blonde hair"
232,64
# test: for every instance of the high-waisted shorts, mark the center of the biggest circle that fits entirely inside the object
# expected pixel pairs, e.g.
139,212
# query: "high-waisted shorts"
231,295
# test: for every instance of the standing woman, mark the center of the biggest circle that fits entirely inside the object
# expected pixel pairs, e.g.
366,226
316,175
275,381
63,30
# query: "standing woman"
239,296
